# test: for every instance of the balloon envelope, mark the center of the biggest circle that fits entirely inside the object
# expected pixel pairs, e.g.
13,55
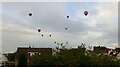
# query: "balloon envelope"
66,28
30,14
39,30
67,16
50,35
85,13
42,35
54,42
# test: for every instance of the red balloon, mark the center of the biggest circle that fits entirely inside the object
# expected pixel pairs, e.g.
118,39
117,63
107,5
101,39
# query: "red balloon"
85,13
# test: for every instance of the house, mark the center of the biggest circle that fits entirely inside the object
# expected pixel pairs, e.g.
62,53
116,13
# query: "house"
117,53
28,52
117,49
3,60
101,50
118,56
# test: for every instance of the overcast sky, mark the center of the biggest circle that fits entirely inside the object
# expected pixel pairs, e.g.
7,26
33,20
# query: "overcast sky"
100,27
118,24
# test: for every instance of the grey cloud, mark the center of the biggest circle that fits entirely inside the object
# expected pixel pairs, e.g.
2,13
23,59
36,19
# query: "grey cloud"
119,24
51,19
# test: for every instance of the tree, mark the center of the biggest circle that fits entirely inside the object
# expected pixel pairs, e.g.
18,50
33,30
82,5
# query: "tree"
90,47
11,56
82,45
22,61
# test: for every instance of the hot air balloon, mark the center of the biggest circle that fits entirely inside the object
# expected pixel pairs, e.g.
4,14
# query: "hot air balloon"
67,16
50,35
42,35
30,14
85,13
54,42
39,30
66,28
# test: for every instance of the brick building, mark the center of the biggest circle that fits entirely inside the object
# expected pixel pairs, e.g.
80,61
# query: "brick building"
28,52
